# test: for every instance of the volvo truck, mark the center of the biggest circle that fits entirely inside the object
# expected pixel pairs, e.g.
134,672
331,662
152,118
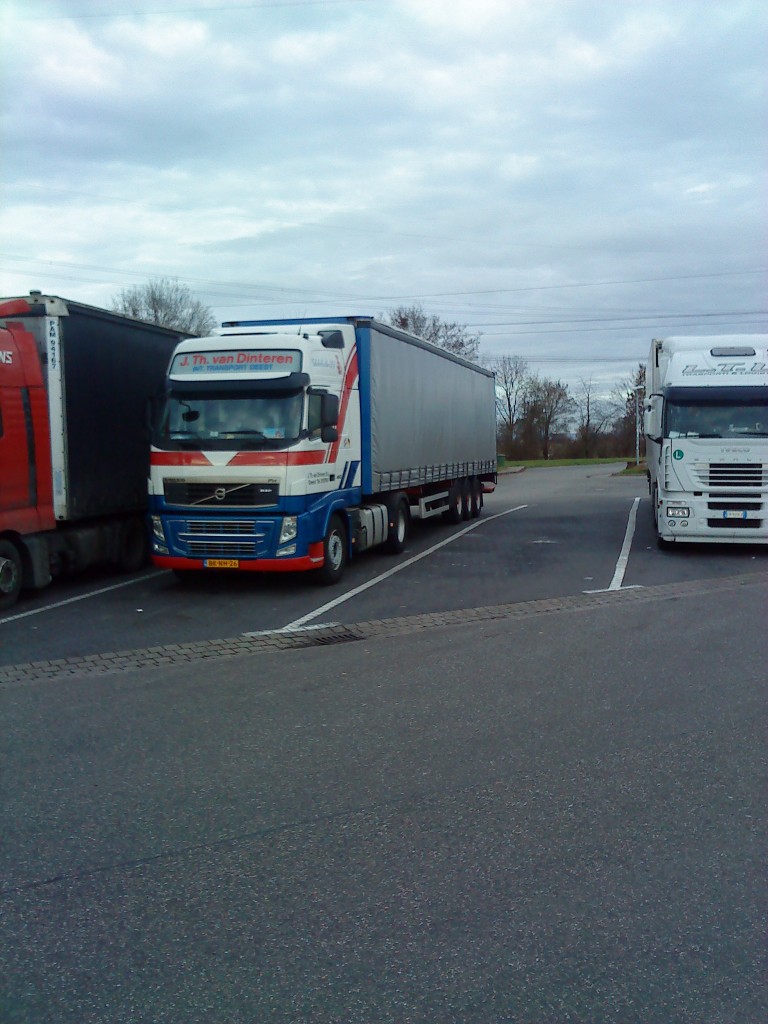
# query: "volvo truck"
294,445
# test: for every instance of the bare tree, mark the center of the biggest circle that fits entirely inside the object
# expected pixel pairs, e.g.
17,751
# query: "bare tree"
593,416
166,302
548,407
511,377
511,380
451,336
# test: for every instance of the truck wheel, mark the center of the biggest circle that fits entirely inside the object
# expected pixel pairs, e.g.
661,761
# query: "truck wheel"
334,553
11,574
399,518
455,511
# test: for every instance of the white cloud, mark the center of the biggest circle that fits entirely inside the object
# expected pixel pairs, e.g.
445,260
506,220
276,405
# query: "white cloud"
496,159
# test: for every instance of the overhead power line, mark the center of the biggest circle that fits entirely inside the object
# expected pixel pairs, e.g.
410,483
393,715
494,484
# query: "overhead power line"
238,287
207,9
695,324
655,317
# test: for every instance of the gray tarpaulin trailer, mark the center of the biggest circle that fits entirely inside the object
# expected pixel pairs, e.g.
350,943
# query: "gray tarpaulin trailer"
426,414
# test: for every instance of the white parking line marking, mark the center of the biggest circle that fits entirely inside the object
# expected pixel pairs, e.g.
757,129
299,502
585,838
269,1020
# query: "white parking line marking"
621,565
298,623
82,597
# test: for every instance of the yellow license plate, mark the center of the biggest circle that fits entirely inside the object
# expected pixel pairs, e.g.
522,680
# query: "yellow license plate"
222,563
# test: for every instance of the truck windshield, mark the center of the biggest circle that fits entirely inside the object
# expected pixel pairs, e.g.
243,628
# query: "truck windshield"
230,422
716,419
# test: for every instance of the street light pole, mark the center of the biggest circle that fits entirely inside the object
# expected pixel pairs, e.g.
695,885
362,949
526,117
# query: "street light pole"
637,391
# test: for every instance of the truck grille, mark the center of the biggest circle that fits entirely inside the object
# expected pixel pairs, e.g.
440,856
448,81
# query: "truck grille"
194,494
225,538
221,549
236,527
729,474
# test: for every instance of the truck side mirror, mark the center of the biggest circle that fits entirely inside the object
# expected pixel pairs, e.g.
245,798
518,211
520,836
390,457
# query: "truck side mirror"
332,339
329,417
329,410
652,418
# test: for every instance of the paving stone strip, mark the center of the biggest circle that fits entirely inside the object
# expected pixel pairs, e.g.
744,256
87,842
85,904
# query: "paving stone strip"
281,640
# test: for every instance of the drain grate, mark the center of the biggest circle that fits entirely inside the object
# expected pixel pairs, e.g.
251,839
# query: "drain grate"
345,637
316,636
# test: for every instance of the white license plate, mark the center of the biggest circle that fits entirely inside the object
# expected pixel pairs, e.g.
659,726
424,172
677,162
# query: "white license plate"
732,514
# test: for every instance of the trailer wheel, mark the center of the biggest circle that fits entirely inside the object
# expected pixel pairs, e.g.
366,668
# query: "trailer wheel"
11,574
475,497
334,553
466,499
133,552
399,518
455,511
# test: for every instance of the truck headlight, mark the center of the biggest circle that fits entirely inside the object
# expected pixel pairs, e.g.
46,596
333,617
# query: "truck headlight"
157,529
678,511
288,529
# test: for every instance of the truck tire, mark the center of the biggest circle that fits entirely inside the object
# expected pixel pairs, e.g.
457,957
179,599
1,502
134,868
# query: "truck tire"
11,573
475,497
399,520
466,499
334,553
455,511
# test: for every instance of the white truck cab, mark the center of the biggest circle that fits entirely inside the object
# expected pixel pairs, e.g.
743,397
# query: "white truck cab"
706,428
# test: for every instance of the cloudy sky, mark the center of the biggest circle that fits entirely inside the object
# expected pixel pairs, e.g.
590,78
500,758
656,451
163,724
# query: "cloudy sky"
569,178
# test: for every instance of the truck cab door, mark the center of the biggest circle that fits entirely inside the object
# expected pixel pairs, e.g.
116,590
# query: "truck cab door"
14,442
24,485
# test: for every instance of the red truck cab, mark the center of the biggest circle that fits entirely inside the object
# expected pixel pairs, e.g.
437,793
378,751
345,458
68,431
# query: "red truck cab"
26,505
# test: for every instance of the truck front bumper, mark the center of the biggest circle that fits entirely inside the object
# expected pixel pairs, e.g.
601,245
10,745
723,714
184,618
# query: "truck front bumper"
245,543
303,563
705,518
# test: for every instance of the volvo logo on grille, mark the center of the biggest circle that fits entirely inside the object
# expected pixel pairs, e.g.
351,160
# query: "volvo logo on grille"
220,493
